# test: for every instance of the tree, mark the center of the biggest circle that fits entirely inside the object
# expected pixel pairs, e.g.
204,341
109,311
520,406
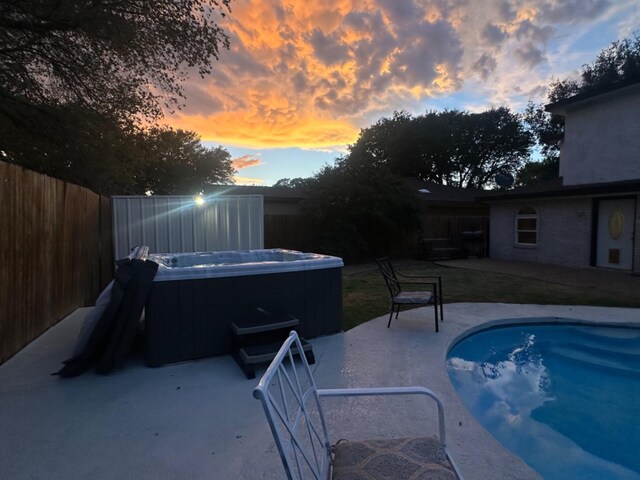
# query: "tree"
97,152
619,62
297,182
355,215
535,172
484,145
451,147
78,79
174,162
548,131
124,58
80,146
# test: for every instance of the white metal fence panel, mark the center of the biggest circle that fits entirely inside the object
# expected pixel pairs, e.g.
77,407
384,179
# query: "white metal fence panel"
178,224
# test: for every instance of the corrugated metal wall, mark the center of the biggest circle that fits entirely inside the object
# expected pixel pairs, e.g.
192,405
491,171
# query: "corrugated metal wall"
175,224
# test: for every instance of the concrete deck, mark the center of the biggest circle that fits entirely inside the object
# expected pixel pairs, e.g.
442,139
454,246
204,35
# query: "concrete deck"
198,420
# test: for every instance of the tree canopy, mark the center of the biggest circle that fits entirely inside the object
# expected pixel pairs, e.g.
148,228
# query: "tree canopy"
125,58
296,182
97,152
84,83
451,147
353,215
175,162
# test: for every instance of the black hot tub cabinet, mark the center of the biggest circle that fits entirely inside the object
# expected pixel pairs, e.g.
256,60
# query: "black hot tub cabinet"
195,297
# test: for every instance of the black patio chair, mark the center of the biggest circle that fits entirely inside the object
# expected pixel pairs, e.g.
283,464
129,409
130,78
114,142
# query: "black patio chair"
399,296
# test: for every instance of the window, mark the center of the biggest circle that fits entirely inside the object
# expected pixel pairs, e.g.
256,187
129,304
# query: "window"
527,226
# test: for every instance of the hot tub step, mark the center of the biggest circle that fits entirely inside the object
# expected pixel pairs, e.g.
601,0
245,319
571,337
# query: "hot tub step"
251,327
266,353
257,340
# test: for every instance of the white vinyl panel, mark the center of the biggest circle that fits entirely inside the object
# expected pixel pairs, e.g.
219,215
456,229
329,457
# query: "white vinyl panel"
148,224
198,228
256,226
134,217
243,230
188,218
160,242
175,224
234,224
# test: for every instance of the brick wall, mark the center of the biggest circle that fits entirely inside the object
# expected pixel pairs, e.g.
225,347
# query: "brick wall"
564,232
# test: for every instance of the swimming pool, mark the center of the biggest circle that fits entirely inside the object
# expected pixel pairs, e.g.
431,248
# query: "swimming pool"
565,398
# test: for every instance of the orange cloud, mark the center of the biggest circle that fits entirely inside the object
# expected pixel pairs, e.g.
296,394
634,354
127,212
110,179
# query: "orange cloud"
306,75
311,74
246,161
247,180
278,129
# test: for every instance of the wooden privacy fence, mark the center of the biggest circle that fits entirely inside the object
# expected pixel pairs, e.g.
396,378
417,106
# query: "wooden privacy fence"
56,253
453,226
284,231
288,231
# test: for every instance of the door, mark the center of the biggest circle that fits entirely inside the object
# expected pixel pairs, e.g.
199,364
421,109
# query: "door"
615,233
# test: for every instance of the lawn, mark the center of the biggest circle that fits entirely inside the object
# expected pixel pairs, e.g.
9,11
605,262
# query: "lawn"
366,296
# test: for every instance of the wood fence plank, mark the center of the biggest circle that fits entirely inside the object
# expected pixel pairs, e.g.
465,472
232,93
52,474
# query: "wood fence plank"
53,253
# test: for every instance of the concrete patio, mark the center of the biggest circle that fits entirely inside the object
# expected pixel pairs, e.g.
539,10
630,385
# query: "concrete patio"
198,420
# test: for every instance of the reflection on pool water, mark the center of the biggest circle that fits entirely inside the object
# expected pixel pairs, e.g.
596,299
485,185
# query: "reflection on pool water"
564,398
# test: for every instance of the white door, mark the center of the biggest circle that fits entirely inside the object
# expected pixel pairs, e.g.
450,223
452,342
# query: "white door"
615,233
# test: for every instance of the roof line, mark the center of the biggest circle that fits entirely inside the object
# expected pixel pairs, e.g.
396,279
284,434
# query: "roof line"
591,93
622,187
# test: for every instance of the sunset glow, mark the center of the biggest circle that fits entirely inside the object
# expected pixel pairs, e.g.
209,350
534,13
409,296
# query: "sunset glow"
310,75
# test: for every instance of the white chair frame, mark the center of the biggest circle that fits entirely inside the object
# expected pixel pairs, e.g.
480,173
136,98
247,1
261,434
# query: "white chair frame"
289,396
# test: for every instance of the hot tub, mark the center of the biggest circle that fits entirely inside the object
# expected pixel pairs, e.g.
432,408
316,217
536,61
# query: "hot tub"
196,296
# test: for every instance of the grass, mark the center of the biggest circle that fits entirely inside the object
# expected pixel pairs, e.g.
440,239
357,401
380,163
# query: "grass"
366,296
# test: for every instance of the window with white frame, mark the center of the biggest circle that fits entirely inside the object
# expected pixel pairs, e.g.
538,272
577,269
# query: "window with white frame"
527,226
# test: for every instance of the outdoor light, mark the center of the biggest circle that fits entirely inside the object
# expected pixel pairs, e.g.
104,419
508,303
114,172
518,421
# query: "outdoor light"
424,190
199,200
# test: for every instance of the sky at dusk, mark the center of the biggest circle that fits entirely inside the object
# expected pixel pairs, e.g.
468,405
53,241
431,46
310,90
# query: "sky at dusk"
302,78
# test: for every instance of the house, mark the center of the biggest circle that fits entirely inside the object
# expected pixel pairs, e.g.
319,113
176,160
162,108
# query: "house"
590,215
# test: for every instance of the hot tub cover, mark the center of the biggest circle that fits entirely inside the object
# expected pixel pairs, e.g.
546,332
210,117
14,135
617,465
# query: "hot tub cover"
112,337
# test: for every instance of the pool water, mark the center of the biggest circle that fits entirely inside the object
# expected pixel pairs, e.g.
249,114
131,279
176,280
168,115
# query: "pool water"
565,398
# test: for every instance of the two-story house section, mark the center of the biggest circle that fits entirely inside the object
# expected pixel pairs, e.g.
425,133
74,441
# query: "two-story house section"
589,216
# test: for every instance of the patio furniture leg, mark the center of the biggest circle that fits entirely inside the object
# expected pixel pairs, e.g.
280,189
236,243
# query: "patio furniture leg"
440,299
311,359
390,316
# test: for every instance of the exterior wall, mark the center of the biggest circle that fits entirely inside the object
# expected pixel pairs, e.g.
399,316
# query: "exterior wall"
601,142
564,232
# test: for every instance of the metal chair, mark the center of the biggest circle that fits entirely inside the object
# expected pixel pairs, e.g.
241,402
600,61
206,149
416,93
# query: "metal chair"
402,297
291,402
